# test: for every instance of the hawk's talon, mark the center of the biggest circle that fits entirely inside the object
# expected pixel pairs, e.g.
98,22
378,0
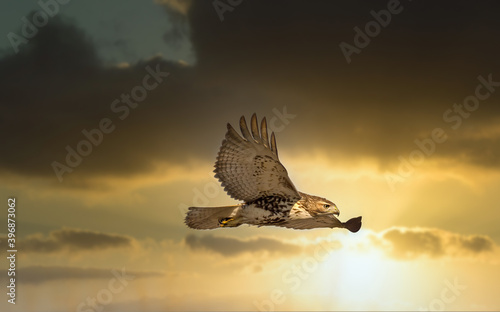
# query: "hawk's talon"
224,221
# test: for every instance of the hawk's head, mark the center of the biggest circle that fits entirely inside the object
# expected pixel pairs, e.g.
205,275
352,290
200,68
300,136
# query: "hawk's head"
316,205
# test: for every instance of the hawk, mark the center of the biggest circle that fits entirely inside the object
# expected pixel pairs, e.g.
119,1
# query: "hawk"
248,168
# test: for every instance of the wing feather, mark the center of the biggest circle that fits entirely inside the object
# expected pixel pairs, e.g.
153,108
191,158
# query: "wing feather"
263,130
248,168
255,129
244,129
326,221
273,144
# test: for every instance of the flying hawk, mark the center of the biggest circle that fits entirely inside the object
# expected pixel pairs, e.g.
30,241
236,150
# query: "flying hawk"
249,170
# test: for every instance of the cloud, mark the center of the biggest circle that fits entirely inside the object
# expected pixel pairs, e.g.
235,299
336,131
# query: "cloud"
179,6
475,243
56,86
74,239
353,108
411,243
40,274
177,11
228,246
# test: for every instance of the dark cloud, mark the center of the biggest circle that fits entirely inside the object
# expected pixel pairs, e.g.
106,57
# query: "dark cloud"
228,246
413,243
177,13
73,239
395,90
264,55
56,87
40,274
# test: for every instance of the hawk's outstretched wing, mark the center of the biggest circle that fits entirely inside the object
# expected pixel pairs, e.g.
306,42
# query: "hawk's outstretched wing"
325,221
248,167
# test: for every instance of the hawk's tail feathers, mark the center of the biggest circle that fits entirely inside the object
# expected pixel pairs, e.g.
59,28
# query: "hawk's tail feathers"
205,218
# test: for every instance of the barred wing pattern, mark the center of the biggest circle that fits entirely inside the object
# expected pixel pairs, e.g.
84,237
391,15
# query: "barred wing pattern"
326,221
248,167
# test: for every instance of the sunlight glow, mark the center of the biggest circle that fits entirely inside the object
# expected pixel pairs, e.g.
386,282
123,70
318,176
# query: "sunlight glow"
365,280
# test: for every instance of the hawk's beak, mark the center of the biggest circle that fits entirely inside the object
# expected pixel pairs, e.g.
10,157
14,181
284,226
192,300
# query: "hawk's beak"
334,214
336,211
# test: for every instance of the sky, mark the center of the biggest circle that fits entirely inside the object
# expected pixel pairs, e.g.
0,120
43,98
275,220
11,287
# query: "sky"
112,114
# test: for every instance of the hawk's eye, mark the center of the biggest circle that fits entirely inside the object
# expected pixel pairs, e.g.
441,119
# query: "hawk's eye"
326,206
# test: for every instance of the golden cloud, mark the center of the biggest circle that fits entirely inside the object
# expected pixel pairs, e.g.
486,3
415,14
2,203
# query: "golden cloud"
39,274
411,243
229,246
71,239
